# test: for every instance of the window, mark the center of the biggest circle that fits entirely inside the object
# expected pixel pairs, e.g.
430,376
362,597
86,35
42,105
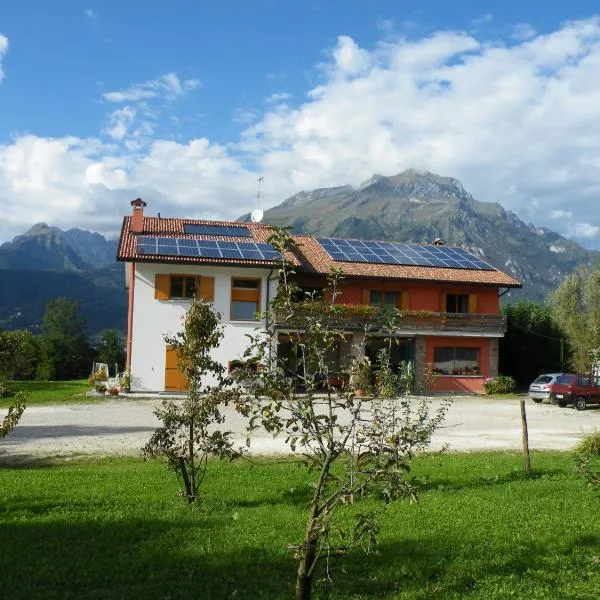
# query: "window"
385,299
183,287
457,303
245,299
175,287
456,361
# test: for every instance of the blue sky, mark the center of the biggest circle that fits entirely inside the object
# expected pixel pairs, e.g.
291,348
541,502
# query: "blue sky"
188,102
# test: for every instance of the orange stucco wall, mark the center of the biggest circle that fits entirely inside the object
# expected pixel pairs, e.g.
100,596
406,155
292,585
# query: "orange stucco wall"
422,296
457,383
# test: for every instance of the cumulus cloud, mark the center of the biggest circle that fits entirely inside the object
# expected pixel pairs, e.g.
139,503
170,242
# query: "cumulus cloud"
167,86
515,121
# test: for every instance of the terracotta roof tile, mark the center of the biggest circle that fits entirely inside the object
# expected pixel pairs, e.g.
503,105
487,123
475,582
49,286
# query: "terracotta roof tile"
315,260
309,256
170,227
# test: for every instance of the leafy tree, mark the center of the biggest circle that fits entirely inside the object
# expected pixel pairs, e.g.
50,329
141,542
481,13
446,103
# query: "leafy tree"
15,411
576,307
110,350
65,351
188,437
19,355
532,343
355,446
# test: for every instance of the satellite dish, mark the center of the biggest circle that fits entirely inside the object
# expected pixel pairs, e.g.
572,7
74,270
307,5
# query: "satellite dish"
257,215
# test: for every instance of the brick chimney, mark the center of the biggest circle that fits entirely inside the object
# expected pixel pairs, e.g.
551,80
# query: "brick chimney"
137,220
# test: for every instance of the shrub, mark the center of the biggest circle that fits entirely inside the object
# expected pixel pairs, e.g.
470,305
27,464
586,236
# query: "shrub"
503,384
590,444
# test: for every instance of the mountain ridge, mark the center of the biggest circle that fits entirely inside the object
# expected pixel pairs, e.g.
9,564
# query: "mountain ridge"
420,206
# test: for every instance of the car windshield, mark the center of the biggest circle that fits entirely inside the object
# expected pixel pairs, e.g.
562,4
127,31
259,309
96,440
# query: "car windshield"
566,379
543,379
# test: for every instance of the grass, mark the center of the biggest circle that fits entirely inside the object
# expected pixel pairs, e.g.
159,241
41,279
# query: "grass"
590,444
49,392
115,528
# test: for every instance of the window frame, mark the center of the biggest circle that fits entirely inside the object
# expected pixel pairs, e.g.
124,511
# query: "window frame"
184,286
243,294
454,349
456,296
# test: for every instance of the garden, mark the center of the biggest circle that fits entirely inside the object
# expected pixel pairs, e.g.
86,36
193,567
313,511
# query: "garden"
117,528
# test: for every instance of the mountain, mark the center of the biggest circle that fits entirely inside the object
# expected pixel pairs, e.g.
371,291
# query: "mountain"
46,262
43,247
416,206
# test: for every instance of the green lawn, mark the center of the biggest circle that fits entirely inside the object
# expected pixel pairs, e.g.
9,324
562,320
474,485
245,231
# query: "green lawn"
49,392
115,529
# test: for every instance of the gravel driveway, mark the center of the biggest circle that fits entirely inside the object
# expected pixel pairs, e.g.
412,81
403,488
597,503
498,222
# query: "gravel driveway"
124,426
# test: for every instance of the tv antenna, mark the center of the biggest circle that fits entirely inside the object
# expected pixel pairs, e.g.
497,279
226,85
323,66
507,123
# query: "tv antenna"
257,213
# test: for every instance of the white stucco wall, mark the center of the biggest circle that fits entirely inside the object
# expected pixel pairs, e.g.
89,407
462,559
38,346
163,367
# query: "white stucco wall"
153,319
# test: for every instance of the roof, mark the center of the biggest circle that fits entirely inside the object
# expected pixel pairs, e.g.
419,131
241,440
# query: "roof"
314,259
309,257
171,227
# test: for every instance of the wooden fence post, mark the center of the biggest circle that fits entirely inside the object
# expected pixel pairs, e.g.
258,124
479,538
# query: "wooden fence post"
525,438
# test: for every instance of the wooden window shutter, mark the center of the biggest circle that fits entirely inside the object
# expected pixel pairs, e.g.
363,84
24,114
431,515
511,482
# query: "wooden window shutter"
205,288
403,301
162,287
443,302
366,297
472,303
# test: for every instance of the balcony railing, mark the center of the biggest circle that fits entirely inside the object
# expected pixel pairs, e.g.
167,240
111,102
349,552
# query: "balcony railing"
411,322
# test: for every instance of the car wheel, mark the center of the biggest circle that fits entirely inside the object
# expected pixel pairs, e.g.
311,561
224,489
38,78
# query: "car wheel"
537,400
580,403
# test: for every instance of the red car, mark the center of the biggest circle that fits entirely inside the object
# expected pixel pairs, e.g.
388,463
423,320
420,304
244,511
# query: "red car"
580,390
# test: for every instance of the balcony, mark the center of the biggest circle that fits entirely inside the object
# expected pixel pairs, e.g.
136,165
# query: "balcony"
356,318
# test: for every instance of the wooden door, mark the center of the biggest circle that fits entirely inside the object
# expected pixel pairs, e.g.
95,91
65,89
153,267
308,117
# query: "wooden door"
175,380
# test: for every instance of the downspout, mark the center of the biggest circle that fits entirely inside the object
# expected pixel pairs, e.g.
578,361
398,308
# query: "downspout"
268,314
130,315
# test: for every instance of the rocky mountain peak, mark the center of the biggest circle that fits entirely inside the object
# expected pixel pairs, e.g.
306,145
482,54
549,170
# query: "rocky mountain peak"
419,206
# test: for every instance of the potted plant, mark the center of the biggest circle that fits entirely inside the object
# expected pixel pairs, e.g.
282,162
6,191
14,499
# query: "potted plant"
125,381
361,376
98,380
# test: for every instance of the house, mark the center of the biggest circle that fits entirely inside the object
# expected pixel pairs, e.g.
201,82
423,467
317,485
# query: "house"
449,297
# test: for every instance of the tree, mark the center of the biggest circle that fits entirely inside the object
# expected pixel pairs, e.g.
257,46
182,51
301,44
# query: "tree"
575,306
110,350
65,351
188,437
534,343
19,355
355,446
15,411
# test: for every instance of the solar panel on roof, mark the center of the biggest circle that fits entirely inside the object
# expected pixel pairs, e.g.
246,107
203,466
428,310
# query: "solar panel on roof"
394,253
158,246
222,230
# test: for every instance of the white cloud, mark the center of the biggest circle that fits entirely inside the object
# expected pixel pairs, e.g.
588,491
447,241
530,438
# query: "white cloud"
516,123
278,98
523,31
3,49
584,230
167,86
91,14
561,214
119,123
349,58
